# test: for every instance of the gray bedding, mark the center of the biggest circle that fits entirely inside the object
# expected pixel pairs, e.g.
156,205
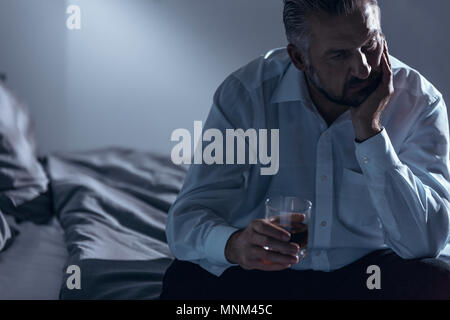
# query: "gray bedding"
112,205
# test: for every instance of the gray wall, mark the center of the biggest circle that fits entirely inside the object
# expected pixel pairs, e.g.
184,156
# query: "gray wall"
418,34
138,69
33,54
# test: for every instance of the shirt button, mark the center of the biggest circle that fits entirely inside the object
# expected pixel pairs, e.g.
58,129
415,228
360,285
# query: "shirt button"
365,159
323,178
323,223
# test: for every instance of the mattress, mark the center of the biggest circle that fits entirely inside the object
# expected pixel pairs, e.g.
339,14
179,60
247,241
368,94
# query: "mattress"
32,267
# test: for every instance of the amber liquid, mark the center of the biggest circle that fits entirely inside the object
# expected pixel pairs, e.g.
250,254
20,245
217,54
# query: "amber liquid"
293,223
299,234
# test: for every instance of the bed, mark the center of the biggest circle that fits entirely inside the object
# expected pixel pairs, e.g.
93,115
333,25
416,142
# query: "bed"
110,212
103,211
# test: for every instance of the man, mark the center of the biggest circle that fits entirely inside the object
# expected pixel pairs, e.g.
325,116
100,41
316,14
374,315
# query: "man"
362,135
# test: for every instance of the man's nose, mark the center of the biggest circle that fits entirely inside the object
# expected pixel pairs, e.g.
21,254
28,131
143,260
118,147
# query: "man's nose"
360,67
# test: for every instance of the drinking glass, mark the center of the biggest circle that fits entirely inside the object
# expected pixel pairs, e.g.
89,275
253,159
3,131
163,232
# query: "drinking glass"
292,214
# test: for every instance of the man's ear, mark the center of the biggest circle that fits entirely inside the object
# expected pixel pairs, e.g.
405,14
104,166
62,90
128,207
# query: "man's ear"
297,57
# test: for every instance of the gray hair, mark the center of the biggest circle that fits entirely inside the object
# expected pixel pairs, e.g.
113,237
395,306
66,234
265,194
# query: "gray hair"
296,13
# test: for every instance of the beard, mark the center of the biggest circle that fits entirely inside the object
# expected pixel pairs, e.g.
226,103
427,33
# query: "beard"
347,100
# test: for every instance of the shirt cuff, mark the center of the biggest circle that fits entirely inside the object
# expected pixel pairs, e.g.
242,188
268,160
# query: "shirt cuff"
377,153
216,242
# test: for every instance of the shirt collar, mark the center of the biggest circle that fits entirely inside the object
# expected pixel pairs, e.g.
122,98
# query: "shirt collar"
292,87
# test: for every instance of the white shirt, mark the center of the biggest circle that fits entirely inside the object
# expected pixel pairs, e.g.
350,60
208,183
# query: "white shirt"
391,190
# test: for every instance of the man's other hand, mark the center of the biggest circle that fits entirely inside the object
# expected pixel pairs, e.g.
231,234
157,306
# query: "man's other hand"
367,117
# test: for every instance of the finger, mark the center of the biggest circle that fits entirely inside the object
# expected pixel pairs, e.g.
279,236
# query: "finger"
387,54
386,71
388,79
268,229
274,244
273,257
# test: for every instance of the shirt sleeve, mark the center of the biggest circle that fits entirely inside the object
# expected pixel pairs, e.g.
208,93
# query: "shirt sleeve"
198,225
410,189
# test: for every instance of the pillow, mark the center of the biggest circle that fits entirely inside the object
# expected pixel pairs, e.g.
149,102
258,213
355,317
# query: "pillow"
5,233
23,182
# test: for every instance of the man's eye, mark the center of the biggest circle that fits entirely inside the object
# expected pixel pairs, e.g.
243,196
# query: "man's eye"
339,56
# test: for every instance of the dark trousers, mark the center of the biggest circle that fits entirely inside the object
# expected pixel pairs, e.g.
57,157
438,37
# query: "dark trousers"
399,279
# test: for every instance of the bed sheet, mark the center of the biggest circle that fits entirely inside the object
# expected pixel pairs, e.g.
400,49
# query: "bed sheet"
445,254
112,204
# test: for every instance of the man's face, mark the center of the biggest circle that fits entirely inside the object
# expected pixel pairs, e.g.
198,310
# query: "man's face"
345,55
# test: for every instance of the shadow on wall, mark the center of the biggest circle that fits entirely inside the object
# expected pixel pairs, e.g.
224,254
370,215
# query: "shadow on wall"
416,31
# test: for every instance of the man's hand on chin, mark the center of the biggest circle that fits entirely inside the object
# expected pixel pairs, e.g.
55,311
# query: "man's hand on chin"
367,117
